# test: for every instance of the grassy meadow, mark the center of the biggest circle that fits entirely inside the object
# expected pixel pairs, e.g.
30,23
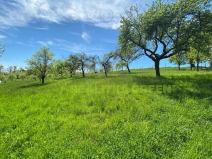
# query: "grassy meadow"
119,117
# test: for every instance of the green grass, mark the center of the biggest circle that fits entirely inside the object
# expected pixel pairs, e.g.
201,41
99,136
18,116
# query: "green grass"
123,116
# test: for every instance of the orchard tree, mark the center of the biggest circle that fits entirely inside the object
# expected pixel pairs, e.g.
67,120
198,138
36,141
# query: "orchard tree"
127,55
93,61
190,58
40,62
162,31
72,64
106,62
210,60
120,65
10,69
59,67
201,33
179,59
1,68
82,60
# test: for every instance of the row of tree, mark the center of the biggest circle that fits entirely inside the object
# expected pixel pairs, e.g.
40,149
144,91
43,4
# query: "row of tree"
192,58
42,62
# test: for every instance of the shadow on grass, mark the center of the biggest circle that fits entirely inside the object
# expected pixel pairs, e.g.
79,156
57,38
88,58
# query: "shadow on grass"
180,87
197,87
34,85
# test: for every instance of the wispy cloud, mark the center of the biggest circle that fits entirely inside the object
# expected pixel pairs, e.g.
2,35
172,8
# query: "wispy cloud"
2,37
41,28
104,13
45,43
71,47
86,37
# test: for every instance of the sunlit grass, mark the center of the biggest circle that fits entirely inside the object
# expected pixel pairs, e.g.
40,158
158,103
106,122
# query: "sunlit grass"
122,116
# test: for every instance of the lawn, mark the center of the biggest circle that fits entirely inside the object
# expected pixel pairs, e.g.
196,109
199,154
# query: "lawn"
122,116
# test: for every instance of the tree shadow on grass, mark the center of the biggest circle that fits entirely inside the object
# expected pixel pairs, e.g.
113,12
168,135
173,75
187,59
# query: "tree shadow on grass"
196,87
34,85
180,87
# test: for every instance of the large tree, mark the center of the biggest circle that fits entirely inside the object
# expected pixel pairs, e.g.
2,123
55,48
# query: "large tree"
40,62
162,31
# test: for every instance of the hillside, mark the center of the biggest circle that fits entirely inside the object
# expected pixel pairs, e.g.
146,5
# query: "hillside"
122,116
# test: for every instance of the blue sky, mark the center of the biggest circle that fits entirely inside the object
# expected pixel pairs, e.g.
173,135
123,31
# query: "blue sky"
65,26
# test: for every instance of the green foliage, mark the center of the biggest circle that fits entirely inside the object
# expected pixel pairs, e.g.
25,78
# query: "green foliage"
179,59
39,63
93,60
82,62
106,62
58,68
163,30
116,117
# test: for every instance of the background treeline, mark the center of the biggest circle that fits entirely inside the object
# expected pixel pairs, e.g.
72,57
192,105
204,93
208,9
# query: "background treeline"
180,31
81,64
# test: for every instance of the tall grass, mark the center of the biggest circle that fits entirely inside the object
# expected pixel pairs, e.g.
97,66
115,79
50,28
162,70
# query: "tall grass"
122,116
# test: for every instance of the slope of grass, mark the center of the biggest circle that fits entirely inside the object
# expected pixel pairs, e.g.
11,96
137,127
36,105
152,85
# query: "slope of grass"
123,116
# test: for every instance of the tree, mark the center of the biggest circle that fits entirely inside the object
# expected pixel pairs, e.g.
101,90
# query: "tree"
161,31
59,67
120,65
72,64
179,59
201,33
127,55
10,69
106,63
40,62
210,61
190,56
93,60
1,68
82,60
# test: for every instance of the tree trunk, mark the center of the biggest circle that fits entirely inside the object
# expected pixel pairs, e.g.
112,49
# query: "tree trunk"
83,72
71,73
191,66
157,68
128,68
105,70
197,65
211,64
42,79
94,70
179,67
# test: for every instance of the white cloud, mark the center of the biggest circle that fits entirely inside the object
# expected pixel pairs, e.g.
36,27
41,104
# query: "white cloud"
45,43
2,37
104,13
85,36
41,28
71,47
